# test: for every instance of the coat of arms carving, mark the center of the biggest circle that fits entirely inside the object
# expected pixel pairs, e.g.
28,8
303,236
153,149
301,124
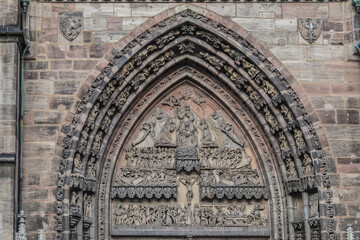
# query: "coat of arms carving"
70,24
310,29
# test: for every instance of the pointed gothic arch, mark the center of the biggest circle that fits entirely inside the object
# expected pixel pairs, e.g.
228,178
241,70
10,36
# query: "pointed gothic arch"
190,44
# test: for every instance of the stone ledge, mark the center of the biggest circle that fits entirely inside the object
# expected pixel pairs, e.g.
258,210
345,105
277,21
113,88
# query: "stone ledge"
7,158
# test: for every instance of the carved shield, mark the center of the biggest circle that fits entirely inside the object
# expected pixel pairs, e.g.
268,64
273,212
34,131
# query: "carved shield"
70,24
310,29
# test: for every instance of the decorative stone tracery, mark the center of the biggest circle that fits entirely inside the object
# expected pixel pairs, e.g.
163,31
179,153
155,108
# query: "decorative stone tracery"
91,147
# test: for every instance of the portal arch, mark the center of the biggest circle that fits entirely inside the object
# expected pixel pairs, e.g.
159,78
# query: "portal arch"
201,47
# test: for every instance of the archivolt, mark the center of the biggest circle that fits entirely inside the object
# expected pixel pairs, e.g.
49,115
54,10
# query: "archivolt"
195,38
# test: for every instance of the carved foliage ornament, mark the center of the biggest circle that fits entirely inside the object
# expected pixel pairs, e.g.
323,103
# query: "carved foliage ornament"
70,24
310,29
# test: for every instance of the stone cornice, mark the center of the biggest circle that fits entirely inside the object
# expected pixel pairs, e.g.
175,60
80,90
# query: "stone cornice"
189,1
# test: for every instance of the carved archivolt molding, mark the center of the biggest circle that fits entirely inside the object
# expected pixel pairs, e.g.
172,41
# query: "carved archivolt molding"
225,62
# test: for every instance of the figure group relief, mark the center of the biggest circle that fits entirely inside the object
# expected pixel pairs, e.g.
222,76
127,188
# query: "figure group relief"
187,164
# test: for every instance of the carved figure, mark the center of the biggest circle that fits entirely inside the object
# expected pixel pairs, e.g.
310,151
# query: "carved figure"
314,205
216,62
186,48
234,76
107,119
148,129
226,128
91,167
288,115
97,143
74,198
308,169
77,163
109,89
164,137
300,143
87,205
271,90
206,136
121,99
93,114
284,146
254,97
188,183
274,125
290,168
83,140
249,68
186,130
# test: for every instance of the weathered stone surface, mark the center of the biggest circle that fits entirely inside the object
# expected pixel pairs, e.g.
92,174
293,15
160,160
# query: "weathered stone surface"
122,9
48,117
40,133
343,132
60,103
345,148
95,24
327,116
254,9
289,25
228,10
327,102
66,87
109,37
290,53
147,9
326,53
255,24
39,87
347,116
131,23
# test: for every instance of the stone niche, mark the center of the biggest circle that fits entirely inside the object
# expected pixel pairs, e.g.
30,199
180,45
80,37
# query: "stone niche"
188,169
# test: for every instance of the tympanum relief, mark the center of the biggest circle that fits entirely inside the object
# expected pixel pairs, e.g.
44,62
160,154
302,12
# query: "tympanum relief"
188,164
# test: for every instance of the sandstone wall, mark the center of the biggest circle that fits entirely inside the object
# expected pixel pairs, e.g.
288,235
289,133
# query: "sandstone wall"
8,85
328,70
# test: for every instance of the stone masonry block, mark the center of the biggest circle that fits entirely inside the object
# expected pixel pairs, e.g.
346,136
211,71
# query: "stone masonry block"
326,53
343,132
345,148
39,87
96,9
114,24
255,24
76,51
254,9
131,23
289,25
122,9
53,117
35,102
352,102
328,76
109,37
290,53
147,9
95,24
60,102
36,149
84,64
66,87
98,50
327,102
7,112
227,10
276,37
347,117
40,133
327,116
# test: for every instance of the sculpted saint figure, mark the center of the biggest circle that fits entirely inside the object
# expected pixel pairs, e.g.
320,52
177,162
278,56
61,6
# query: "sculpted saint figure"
188,183
186,130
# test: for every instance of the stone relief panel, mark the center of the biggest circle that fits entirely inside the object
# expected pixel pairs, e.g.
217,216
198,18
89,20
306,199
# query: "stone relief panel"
187,164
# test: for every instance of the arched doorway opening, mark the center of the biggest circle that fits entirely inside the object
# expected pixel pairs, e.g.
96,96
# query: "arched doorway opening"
191,131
